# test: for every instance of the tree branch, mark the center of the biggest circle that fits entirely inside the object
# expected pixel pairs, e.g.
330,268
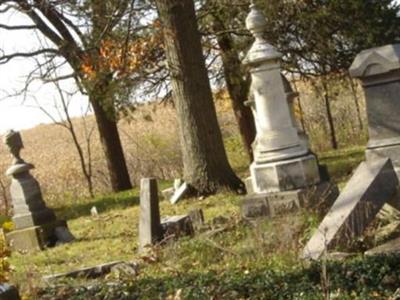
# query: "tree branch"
18,27
6,58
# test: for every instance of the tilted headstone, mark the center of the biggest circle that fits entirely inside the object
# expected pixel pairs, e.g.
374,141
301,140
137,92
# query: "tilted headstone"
379,72
282,159
373,184
180,192
150,230
35,224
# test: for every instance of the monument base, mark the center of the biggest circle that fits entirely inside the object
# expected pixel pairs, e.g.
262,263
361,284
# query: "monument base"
320,197
285,175
37,238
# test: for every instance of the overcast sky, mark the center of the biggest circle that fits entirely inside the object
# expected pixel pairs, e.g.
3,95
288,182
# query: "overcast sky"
14,112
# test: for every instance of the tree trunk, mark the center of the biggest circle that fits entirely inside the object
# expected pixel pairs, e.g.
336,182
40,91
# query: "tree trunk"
238,87
111,143
356,102
206,167
331,124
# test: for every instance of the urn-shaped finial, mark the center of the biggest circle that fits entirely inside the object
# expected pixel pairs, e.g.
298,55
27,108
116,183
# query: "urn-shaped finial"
261,50
255,21
14,143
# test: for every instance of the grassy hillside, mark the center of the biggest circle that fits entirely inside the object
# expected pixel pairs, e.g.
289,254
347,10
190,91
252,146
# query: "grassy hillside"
229,259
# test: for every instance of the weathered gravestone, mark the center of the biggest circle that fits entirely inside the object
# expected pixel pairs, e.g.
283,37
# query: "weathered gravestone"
283,163
373,184
379,71
150,230
180,191
35,225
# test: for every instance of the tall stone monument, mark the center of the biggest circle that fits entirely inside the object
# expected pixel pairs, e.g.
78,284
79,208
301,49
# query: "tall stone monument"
379,72
282,160
35,225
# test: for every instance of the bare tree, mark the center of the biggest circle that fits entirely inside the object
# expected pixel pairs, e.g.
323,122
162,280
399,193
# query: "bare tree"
77,33
64,120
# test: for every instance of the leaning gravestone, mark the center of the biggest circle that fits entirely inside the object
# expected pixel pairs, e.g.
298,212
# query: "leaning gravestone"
373,184
35,225
379,72
284,167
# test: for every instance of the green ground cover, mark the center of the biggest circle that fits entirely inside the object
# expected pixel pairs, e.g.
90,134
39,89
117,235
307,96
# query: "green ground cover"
229,259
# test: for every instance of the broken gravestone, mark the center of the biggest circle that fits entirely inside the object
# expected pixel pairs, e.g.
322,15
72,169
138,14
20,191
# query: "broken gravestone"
177,226
97,271
373,184
179,192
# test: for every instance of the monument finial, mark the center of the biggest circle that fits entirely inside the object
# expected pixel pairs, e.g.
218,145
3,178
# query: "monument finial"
14,143
261,50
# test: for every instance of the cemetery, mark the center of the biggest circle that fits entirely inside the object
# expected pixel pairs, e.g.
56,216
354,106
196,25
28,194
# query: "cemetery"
291,193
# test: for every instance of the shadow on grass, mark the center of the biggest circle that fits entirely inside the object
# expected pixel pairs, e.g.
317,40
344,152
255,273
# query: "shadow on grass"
103,203
341,163
363,278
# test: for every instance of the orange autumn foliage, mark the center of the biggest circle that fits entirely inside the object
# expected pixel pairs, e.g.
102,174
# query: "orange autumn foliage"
123,58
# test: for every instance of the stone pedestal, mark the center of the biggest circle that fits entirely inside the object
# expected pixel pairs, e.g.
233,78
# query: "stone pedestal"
36,226
283,163
285,175
28,205
379,71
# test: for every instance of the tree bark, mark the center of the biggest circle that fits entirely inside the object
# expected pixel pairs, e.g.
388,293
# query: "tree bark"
331,123
356,102
206,167
111,143
237,85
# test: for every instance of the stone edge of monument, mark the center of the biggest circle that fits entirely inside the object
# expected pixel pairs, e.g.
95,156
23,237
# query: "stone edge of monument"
331,232
34,238
388,57
319,197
